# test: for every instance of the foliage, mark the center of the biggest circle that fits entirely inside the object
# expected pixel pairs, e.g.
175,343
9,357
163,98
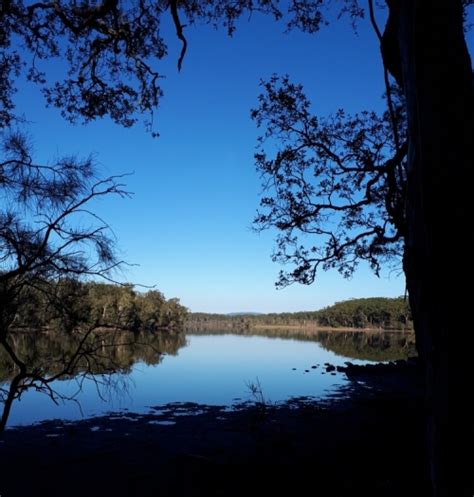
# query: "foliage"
82,310
98,305
111,48
51,244
334,189
49,239
378,312
367,313
370,215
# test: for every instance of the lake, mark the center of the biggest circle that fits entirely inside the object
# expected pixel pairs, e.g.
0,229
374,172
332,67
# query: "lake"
138,371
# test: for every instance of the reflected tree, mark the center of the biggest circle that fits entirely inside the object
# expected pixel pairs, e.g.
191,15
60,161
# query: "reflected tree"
374,346
35,360
121,350
368,346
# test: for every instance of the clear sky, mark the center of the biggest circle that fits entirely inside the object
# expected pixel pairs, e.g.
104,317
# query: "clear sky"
196,190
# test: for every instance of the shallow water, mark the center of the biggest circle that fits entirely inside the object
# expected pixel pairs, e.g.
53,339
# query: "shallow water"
213,368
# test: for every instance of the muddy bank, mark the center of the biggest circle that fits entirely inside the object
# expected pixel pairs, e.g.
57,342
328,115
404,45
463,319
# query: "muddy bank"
367,440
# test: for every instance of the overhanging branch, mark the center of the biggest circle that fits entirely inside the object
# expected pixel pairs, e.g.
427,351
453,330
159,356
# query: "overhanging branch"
179,31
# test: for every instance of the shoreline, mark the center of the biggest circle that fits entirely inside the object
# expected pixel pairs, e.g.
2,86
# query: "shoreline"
224,327
367,439
294,327
331,329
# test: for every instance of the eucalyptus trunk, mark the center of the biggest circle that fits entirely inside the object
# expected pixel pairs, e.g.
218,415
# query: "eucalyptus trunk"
436,74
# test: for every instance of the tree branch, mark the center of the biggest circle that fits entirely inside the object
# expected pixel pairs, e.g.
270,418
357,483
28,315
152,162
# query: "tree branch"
179,31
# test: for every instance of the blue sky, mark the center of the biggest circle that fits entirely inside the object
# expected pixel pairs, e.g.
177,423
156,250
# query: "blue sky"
195,188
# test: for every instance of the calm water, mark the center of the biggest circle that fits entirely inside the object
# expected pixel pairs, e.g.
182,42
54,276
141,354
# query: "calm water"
205,368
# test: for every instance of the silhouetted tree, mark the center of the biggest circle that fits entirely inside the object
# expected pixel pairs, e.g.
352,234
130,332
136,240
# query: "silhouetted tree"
110,46
48,235
49,242
50,245
367,192
341,180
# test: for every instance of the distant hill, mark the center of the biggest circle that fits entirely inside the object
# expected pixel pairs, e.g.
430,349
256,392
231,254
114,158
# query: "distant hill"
240,314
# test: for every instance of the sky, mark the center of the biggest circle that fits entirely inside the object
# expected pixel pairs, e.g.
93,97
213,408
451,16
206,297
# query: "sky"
187,226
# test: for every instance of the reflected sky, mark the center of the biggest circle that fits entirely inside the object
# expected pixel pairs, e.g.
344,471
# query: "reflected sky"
210,369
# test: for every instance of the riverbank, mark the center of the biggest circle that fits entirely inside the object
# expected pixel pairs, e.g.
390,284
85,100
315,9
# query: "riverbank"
367,440
308,329
375,313
324,329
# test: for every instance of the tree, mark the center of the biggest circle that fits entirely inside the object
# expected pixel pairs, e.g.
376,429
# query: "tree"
51,245
45,241
341,180
49,242
419,204
371,195
48,235
440,123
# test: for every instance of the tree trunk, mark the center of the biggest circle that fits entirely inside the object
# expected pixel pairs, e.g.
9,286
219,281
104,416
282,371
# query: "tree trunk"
437,79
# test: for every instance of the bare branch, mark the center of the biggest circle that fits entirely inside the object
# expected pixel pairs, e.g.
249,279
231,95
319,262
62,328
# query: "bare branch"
179,31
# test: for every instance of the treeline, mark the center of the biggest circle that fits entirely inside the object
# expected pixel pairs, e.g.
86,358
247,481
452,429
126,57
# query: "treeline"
69,304
386,313
374,313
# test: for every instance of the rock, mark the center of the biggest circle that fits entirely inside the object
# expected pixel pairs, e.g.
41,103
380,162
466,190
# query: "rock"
330,368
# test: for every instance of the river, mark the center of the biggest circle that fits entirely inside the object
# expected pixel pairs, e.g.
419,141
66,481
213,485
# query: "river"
137,372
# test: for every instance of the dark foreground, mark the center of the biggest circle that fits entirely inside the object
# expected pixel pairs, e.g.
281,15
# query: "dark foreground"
368,441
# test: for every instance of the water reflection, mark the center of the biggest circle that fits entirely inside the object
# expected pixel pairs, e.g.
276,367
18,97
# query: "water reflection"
376,346
371,346
103,352
38,362
202,366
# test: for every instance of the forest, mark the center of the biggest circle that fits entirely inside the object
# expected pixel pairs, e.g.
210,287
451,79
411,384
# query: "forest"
94,304
374,313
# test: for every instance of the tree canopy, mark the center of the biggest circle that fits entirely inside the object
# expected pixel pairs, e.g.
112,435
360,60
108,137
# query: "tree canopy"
95,304
111,48
339,179
47,231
